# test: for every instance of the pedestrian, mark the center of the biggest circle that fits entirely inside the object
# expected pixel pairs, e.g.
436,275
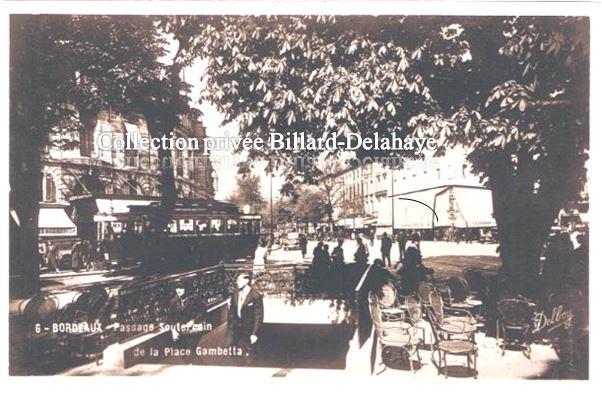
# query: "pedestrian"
317,254
76,256
385,248
325,258
245,316
303,244
337,254
413,271
43,250
261,255
87,254
52,257
401,244
181,316
105,248
361,254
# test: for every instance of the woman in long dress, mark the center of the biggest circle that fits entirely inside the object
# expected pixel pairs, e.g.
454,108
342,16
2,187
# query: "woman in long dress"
260,257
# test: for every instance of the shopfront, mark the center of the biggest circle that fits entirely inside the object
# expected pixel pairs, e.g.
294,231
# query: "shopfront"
443,207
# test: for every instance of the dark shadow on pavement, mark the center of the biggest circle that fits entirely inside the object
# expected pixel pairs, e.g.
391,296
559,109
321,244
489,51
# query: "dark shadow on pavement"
281,345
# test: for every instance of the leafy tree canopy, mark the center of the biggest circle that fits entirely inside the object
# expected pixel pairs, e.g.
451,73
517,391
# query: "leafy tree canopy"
513,91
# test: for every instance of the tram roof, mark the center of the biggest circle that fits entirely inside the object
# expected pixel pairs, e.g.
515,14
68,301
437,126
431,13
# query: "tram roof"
191,206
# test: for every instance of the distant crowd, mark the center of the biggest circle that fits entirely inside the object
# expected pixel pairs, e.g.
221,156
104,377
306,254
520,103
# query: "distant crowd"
410,266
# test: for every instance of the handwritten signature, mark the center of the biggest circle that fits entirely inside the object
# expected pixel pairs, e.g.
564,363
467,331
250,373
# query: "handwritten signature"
559,317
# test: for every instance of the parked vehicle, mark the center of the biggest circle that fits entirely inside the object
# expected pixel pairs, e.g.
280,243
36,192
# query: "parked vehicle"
291,241
64,246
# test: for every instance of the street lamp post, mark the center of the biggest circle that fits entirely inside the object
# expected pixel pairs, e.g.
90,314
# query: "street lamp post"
392,202
271,211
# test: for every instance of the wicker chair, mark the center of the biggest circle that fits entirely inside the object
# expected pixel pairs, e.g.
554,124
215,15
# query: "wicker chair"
424,292
414,315
515,316
452,322
459,296
457,347
388,335
391,309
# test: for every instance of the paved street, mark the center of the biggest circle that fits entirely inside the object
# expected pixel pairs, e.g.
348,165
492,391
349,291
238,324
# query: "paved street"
446,258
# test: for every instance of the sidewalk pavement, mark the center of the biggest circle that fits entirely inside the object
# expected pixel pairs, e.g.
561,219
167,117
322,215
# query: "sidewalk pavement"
543,364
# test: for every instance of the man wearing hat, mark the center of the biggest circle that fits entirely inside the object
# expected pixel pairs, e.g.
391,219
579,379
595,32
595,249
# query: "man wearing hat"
245,315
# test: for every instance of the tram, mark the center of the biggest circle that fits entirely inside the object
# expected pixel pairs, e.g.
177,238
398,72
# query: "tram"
201,233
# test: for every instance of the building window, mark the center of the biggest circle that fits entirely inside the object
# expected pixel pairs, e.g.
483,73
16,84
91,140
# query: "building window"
132,136
179,165
49,189
191,164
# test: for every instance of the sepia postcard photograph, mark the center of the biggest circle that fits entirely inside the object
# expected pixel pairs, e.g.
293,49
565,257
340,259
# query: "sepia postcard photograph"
310,190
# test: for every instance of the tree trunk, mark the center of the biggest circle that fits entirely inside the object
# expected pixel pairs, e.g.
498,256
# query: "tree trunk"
524,219
157,128
331,221
28,136
25,176
162,122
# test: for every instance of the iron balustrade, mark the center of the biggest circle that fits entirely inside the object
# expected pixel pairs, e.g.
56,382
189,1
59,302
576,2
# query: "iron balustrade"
146,304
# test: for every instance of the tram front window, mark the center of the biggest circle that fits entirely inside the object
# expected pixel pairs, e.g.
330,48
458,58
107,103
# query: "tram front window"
256,227
172,227
202,226
117,227
233,226
246,227
218,226
138,227
186,226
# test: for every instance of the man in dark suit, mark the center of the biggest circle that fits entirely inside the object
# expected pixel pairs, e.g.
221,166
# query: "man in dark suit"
385,249
361,254
180,313
245,315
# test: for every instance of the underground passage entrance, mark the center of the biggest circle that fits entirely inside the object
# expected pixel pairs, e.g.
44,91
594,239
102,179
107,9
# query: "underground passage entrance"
308,321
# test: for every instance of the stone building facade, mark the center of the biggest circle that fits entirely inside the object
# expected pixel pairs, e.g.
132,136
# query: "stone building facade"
79,165
364,187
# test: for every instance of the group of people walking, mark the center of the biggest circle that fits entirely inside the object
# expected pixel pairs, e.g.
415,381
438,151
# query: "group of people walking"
83,255
323,257
410,267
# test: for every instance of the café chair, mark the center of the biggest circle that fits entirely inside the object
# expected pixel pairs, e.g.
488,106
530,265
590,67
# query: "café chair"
445,346
515,316
390,336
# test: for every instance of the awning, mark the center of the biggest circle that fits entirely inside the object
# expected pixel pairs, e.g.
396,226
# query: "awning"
353,223
462,206
465,208
54,221
370,221
409,214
